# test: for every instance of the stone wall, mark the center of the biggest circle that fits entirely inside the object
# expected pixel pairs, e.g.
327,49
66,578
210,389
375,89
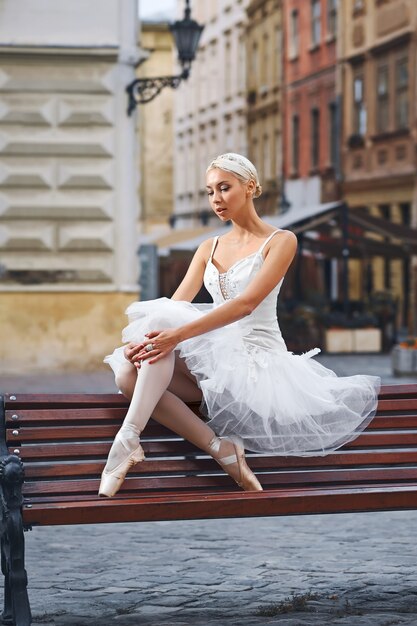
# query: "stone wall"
68,178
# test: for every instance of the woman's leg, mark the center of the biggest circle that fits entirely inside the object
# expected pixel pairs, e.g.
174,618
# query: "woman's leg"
172,412
151,382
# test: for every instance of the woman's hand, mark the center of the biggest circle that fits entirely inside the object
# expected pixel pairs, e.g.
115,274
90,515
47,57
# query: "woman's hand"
131,350
162,341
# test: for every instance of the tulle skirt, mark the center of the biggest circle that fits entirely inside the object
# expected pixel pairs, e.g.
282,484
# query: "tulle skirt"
276,401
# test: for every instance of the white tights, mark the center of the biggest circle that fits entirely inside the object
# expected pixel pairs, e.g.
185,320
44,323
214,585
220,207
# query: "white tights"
161,390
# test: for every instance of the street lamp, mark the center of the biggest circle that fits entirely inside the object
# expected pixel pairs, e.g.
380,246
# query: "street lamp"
186,33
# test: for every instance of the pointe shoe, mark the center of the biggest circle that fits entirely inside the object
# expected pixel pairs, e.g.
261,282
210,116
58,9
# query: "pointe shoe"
111,481
247,479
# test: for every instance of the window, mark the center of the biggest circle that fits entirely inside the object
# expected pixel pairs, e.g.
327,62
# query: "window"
294,41
228,139
359,116
277,156
315,22
315,138
254,60
242,64
295,143
405,209
401,95
213,70
227,67
332,7
266,65
266,158
201,79
278,56
258,153
333,134
382,100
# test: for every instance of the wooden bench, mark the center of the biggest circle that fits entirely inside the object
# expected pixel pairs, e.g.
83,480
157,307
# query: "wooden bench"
61,443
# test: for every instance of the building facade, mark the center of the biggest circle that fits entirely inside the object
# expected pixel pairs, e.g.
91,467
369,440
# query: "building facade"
379,87
155,132
264,94
68,181
310,104
210,108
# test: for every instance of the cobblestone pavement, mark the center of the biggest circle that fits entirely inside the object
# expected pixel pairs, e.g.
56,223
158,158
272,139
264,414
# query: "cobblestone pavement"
301,571
344,569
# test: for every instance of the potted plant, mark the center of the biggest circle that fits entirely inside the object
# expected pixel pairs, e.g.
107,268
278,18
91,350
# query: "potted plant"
404,357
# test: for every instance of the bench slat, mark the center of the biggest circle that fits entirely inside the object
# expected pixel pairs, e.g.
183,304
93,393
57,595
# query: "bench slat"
232,504
393,422
49,401
63,400
398,391
397,404
94,468
96,432
63,433
74,415
103,417
299,477
370,438
57,452
54,416
230,489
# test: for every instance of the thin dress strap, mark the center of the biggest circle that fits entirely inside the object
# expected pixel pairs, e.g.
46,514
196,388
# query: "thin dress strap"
267,240
216,239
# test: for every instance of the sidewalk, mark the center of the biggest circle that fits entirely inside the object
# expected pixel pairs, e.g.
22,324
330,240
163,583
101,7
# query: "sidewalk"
356,570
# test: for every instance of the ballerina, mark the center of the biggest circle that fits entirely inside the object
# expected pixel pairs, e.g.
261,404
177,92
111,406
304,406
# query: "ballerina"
230,355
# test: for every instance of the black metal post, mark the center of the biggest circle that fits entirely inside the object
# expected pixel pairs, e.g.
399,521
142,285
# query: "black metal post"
16,601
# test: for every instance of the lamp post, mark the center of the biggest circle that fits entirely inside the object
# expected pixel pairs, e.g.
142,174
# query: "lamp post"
186,33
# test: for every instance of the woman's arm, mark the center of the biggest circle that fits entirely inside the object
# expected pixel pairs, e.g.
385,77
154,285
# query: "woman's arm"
276,263
193,280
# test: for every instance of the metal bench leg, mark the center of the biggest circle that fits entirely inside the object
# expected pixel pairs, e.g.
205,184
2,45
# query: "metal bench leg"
16,601
7,615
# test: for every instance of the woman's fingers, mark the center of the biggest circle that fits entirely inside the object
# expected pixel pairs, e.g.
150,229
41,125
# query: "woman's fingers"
153,355
133,349
160,348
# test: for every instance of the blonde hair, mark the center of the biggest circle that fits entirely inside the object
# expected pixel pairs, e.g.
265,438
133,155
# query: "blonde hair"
238,165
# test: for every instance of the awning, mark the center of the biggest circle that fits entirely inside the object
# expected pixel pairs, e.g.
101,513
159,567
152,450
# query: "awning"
403,239
298,219
175,237
359,248
405,234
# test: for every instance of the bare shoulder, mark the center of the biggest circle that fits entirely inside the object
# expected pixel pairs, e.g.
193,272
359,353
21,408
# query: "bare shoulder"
204,249
284,237
287,235
284,240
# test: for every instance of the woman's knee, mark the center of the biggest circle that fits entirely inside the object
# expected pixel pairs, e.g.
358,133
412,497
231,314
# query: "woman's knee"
126,378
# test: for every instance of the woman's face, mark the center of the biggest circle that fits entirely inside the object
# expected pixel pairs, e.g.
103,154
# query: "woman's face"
227,194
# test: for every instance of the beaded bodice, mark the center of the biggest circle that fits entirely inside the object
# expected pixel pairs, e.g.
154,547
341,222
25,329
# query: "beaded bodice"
223,286
261,326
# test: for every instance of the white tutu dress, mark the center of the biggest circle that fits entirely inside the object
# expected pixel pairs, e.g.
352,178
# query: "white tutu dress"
276,401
